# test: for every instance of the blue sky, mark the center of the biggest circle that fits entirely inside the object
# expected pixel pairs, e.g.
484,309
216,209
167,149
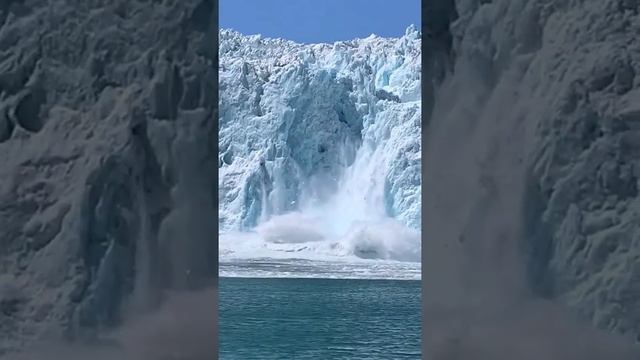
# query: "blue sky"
314,21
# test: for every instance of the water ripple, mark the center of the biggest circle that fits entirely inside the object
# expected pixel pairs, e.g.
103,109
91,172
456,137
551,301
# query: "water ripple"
319,319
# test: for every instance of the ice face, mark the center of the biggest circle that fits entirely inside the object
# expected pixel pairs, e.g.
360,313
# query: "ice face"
330,131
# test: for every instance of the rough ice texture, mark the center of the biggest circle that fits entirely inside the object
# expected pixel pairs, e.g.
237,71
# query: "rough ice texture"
533,162
291,114
107,160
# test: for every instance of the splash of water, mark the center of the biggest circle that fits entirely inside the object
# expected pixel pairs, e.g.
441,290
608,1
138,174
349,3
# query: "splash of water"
349,224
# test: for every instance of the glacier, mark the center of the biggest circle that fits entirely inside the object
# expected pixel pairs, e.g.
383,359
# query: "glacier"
320,148
531,205
107,179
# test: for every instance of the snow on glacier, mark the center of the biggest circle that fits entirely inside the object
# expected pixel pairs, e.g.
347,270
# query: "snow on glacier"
319,150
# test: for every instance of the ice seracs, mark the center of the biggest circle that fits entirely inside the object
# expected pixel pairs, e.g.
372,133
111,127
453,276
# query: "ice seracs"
332,128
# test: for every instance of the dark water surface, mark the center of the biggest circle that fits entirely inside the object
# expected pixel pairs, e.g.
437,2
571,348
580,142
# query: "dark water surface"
319,319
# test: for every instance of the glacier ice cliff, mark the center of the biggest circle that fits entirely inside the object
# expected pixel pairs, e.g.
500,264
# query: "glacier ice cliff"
107,161
303,125
531,177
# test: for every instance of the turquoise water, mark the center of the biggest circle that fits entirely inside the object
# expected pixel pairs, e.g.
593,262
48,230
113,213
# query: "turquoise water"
319,319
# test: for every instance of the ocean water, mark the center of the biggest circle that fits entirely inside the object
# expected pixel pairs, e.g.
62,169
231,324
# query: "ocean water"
307,318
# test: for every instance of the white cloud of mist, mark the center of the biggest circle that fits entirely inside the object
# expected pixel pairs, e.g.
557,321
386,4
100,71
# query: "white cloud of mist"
184,328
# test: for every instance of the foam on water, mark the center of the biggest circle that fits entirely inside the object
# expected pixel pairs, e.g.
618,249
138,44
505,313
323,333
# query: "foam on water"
297,268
